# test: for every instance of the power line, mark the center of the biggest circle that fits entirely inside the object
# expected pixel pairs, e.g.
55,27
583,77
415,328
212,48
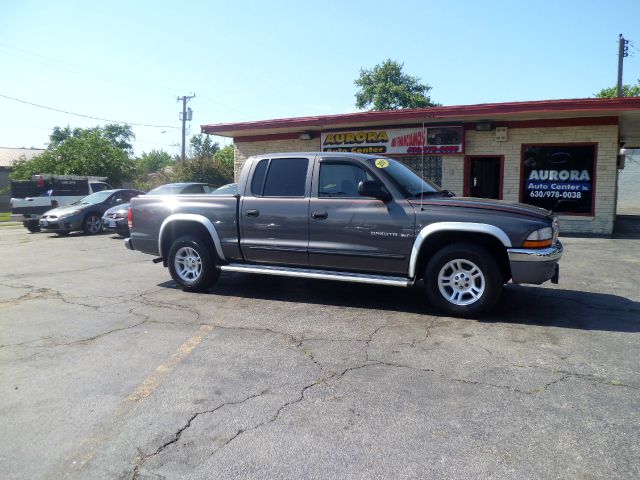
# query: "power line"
25,125
86,116
79,67
238,113
221,107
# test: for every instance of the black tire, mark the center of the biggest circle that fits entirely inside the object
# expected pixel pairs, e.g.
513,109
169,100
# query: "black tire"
92,224
184,255
467,293
33,228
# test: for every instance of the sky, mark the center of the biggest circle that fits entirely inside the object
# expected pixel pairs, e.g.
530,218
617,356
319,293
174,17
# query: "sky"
128,61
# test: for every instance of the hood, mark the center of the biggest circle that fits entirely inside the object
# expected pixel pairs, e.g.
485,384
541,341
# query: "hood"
62,210
485,204
122,208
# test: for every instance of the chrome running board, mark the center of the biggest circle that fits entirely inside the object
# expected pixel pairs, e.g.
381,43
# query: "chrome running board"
319,274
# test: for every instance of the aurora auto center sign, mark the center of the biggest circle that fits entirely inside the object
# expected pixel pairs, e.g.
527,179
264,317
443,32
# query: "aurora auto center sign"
409,141
559,178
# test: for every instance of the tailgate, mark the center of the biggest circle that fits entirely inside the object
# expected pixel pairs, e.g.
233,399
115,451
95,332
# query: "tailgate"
30,206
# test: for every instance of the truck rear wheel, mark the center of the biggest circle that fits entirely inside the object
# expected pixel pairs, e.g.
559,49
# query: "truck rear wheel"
33,228
463,279
191,264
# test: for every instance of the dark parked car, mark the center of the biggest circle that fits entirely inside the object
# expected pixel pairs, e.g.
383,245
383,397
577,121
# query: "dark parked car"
85,214
115,220
181,189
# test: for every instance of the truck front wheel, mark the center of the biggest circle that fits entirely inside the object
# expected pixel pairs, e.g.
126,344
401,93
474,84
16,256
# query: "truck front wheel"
463,279
191,264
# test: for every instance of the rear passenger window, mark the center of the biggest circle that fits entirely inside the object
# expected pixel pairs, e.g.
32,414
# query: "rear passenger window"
285,177
258,177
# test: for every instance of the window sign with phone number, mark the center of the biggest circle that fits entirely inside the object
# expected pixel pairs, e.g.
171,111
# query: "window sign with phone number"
559,178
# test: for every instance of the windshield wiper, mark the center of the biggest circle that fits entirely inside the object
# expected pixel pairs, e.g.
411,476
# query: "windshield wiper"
446,193
426,194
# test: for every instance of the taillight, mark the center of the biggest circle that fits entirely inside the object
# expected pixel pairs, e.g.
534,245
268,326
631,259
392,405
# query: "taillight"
55,204
130,218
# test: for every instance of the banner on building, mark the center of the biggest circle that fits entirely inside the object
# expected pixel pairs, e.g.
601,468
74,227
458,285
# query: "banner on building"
407,141
559,178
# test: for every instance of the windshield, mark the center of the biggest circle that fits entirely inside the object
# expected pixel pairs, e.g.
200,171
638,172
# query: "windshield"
404,178
94,198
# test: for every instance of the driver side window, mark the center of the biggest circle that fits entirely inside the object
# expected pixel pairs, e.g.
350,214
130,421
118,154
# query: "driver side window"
341,179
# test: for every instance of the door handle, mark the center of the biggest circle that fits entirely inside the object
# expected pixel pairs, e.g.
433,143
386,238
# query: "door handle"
319,215
252,213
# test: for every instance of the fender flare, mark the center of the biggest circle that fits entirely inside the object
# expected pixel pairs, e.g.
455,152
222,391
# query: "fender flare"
471,227
190,217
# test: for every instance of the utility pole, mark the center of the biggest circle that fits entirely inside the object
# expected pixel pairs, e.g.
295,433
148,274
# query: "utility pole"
623,51
183,117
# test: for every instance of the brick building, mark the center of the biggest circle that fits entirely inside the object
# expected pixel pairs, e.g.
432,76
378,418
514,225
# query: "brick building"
559,154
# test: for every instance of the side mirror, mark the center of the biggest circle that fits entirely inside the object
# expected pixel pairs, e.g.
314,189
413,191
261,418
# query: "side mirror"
371,188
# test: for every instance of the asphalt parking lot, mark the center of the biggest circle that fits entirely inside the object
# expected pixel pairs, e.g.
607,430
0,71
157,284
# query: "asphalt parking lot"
108,371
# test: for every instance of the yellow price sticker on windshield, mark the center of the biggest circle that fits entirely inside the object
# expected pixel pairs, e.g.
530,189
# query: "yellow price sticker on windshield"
382,163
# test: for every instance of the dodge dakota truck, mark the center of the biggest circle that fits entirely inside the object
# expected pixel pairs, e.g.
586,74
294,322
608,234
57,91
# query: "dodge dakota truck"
350,217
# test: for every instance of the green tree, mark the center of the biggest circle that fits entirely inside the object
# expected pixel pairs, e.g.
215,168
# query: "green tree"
386,87
627,91
224,159
152,162
203,146
100,151
119,135
216,170
151,171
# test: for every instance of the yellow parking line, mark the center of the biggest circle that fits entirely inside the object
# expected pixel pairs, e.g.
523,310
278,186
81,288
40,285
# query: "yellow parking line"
144,390
147,387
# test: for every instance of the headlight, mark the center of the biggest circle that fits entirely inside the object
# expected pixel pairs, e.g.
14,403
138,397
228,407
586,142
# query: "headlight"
69,214
539,238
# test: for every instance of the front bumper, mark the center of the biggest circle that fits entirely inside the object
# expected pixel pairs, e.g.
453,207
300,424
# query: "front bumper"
535,266
60,224
119,225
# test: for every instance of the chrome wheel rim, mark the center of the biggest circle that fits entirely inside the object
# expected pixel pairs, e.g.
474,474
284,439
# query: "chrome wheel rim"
93,224
188,264
461,282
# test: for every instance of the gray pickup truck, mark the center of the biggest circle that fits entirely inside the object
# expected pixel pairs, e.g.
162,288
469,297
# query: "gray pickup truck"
350,217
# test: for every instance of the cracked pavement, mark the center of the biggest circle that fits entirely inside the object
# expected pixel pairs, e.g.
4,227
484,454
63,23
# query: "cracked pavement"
108,371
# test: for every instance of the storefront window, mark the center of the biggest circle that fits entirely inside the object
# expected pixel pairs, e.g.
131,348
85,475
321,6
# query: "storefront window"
429,164
444,135
560,178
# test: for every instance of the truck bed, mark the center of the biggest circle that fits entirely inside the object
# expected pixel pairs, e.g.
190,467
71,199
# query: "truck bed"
150,212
